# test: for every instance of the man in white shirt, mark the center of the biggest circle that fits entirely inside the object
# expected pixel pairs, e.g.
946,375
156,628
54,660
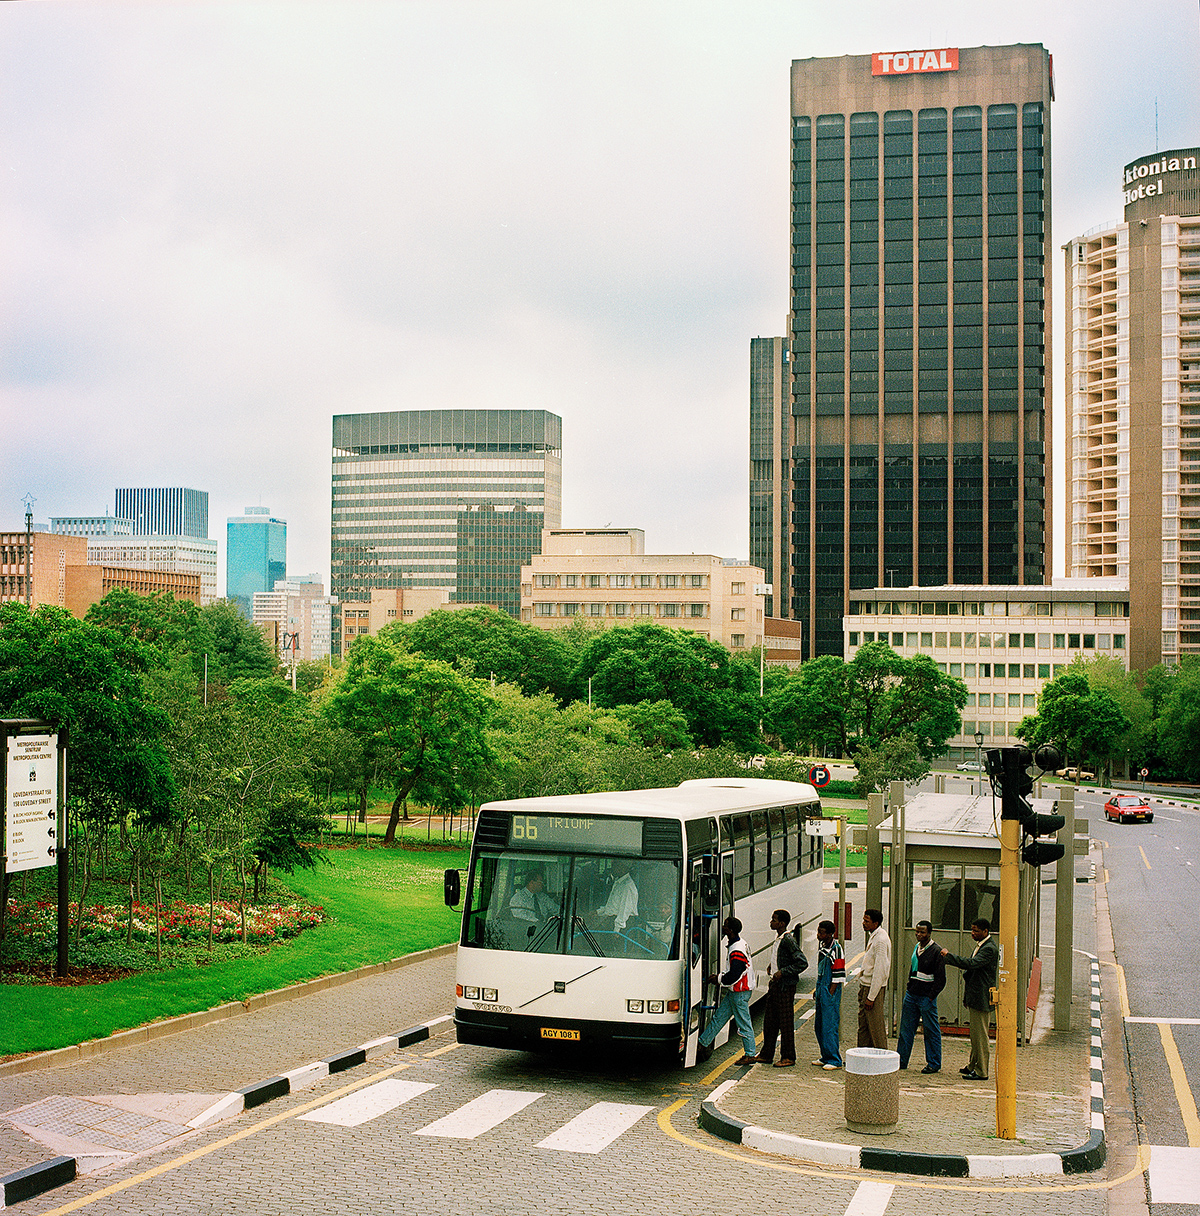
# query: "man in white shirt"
531,903
872,982
622,901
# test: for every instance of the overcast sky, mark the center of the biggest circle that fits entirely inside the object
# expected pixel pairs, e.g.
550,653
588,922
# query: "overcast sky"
224,223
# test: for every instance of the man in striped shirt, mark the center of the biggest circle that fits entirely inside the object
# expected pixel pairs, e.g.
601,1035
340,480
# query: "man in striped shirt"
831,977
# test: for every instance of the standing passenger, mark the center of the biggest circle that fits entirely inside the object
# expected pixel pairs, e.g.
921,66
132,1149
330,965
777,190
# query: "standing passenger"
779,1020
872,982
978,982
737,982
926,978
831,976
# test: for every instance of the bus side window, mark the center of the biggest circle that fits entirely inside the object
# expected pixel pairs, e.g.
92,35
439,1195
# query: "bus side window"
742,855
779,849
794,827
761,874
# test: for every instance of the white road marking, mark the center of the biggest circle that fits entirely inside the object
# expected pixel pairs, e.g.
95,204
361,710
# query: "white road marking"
594,1129
1174,1174
1167,1021
870,1199
367,1104
481,1114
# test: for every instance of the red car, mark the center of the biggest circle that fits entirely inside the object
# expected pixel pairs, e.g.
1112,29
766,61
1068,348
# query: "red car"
1127,806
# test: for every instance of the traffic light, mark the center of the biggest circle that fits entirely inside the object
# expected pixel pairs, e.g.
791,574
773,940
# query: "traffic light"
1016,802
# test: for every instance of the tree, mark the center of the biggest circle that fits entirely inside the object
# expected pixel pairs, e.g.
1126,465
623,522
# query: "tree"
91,680
497,646
877,696
630,664
656,724
898,758
241,651
1179,722
1082,721
162,622
423,719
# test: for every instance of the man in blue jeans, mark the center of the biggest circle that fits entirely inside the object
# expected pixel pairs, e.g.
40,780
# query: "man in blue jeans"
737,983
926,978
831,979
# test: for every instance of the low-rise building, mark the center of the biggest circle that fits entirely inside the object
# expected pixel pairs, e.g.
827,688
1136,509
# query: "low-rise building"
296,618
1003,642
606,576
388,605
162,553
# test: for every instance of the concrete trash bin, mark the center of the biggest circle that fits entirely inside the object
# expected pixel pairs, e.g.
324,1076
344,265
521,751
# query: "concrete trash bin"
872,1090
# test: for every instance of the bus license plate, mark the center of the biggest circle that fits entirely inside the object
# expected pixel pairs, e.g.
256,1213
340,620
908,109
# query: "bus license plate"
553,1032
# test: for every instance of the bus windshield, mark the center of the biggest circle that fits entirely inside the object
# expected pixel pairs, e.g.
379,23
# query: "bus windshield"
567,903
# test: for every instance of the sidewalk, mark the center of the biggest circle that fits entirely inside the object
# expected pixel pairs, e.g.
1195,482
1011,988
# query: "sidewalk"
946,1123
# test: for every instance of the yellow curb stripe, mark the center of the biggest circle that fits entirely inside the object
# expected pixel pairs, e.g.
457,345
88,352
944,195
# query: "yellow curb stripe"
1145,858
1183,1093
1124,991
442,1050
753,1156
197,1153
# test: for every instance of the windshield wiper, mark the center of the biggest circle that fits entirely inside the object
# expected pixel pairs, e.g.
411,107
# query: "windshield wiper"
552,922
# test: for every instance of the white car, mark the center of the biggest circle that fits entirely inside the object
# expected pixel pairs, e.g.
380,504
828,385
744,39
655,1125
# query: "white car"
970,766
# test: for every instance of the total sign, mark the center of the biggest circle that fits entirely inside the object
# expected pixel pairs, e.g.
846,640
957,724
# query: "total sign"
905,63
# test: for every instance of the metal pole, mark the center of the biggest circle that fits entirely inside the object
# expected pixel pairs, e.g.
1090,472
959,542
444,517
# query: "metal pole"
844,827
1064,911
28,553
1006,1008
61,858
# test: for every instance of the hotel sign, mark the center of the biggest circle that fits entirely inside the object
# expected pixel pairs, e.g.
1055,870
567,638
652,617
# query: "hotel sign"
905,63
1143,178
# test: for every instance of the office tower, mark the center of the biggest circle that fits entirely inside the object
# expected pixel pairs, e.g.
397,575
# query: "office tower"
920,444
1133,385
255,555
177,555
492,547
164,512
770,461
402,480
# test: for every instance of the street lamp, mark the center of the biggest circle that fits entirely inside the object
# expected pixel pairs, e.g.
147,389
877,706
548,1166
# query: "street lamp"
978,757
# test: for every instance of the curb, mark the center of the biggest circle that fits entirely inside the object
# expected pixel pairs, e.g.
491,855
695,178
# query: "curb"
218,1013
1082,1159
37,1179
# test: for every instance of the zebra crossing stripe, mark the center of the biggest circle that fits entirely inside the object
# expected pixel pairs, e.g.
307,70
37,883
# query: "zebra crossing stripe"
593,1130
870,1199
481,1114
367,1104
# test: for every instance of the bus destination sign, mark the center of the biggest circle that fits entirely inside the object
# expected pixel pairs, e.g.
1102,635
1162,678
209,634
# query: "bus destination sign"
591,833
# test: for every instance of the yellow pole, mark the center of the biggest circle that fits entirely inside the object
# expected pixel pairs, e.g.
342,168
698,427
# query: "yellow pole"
1007,995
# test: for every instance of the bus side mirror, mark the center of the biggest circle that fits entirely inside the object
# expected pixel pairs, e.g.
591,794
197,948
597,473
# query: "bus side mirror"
453,889
710,892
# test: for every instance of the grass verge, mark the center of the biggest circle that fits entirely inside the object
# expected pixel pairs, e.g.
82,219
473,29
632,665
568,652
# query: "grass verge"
380,904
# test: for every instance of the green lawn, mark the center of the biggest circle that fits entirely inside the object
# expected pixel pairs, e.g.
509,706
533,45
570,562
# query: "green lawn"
381,904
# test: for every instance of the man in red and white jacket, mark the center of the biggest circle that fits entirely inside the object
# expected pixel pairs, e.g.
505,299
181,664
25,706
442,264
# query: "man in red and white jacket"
737,983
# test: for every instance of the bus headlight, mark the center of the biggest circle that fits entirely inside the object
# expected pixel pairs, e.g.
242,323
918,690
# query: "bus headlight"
489,995
654,1006
635,1006
471,994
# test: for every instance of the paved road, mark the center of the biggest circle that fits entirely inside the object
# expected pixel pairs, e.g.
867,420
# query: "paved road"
1153,892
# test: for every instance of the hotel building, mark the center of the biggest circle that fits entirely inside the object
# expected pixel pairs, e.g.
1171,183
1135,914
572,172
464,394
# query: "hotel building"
1133,385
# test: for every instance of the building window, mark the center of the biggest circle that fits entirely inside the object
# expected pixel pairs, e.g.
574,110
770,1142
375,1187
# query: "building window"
697,609
1089,641
1043,671
1014,700
1060,641
571,580
543,609
620,580
1103,641
853,638
669,580
927,640
1029,700
391,612
985,671
956,670
910,639
545,580
1014,640
1027,671
737,614
645,609
408,612
620,609
570,609
593,580
669,609
968,671
1118,641
868,636
897,639
940,641
1072,641
595,610
955,640
985,700
737,639
697,580
1029,641
737,588
645,580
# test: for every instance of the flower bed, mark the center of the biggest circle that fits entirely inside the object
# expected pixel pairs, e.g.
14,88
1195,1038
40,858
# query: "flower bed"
182,923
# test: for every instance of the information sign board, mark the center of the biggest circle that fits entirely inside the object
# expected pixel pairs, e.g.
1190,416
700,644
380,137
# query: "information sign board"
821,827
31,804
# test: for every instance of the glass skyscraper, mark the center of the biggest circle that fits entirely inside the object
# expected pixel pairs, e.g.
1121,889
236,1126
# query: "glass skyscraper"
411,489
255,555
170,511
919,452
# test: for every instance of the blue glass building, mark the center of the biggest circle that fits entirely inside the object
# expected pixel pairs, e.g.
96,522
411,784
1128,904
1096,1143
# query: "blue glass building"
255,555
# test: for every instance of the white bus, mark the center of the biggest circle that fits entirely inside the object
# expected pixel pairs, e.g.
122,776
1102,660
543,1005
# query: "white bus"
595,918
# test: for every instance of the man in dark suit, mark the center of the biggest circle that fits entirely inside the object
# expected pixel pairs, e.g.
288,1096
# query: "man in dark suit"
978,981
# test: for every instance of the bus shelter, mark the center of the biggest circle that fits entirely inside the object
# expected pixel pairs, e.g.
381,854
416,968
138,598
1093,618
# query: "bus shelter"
943,866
